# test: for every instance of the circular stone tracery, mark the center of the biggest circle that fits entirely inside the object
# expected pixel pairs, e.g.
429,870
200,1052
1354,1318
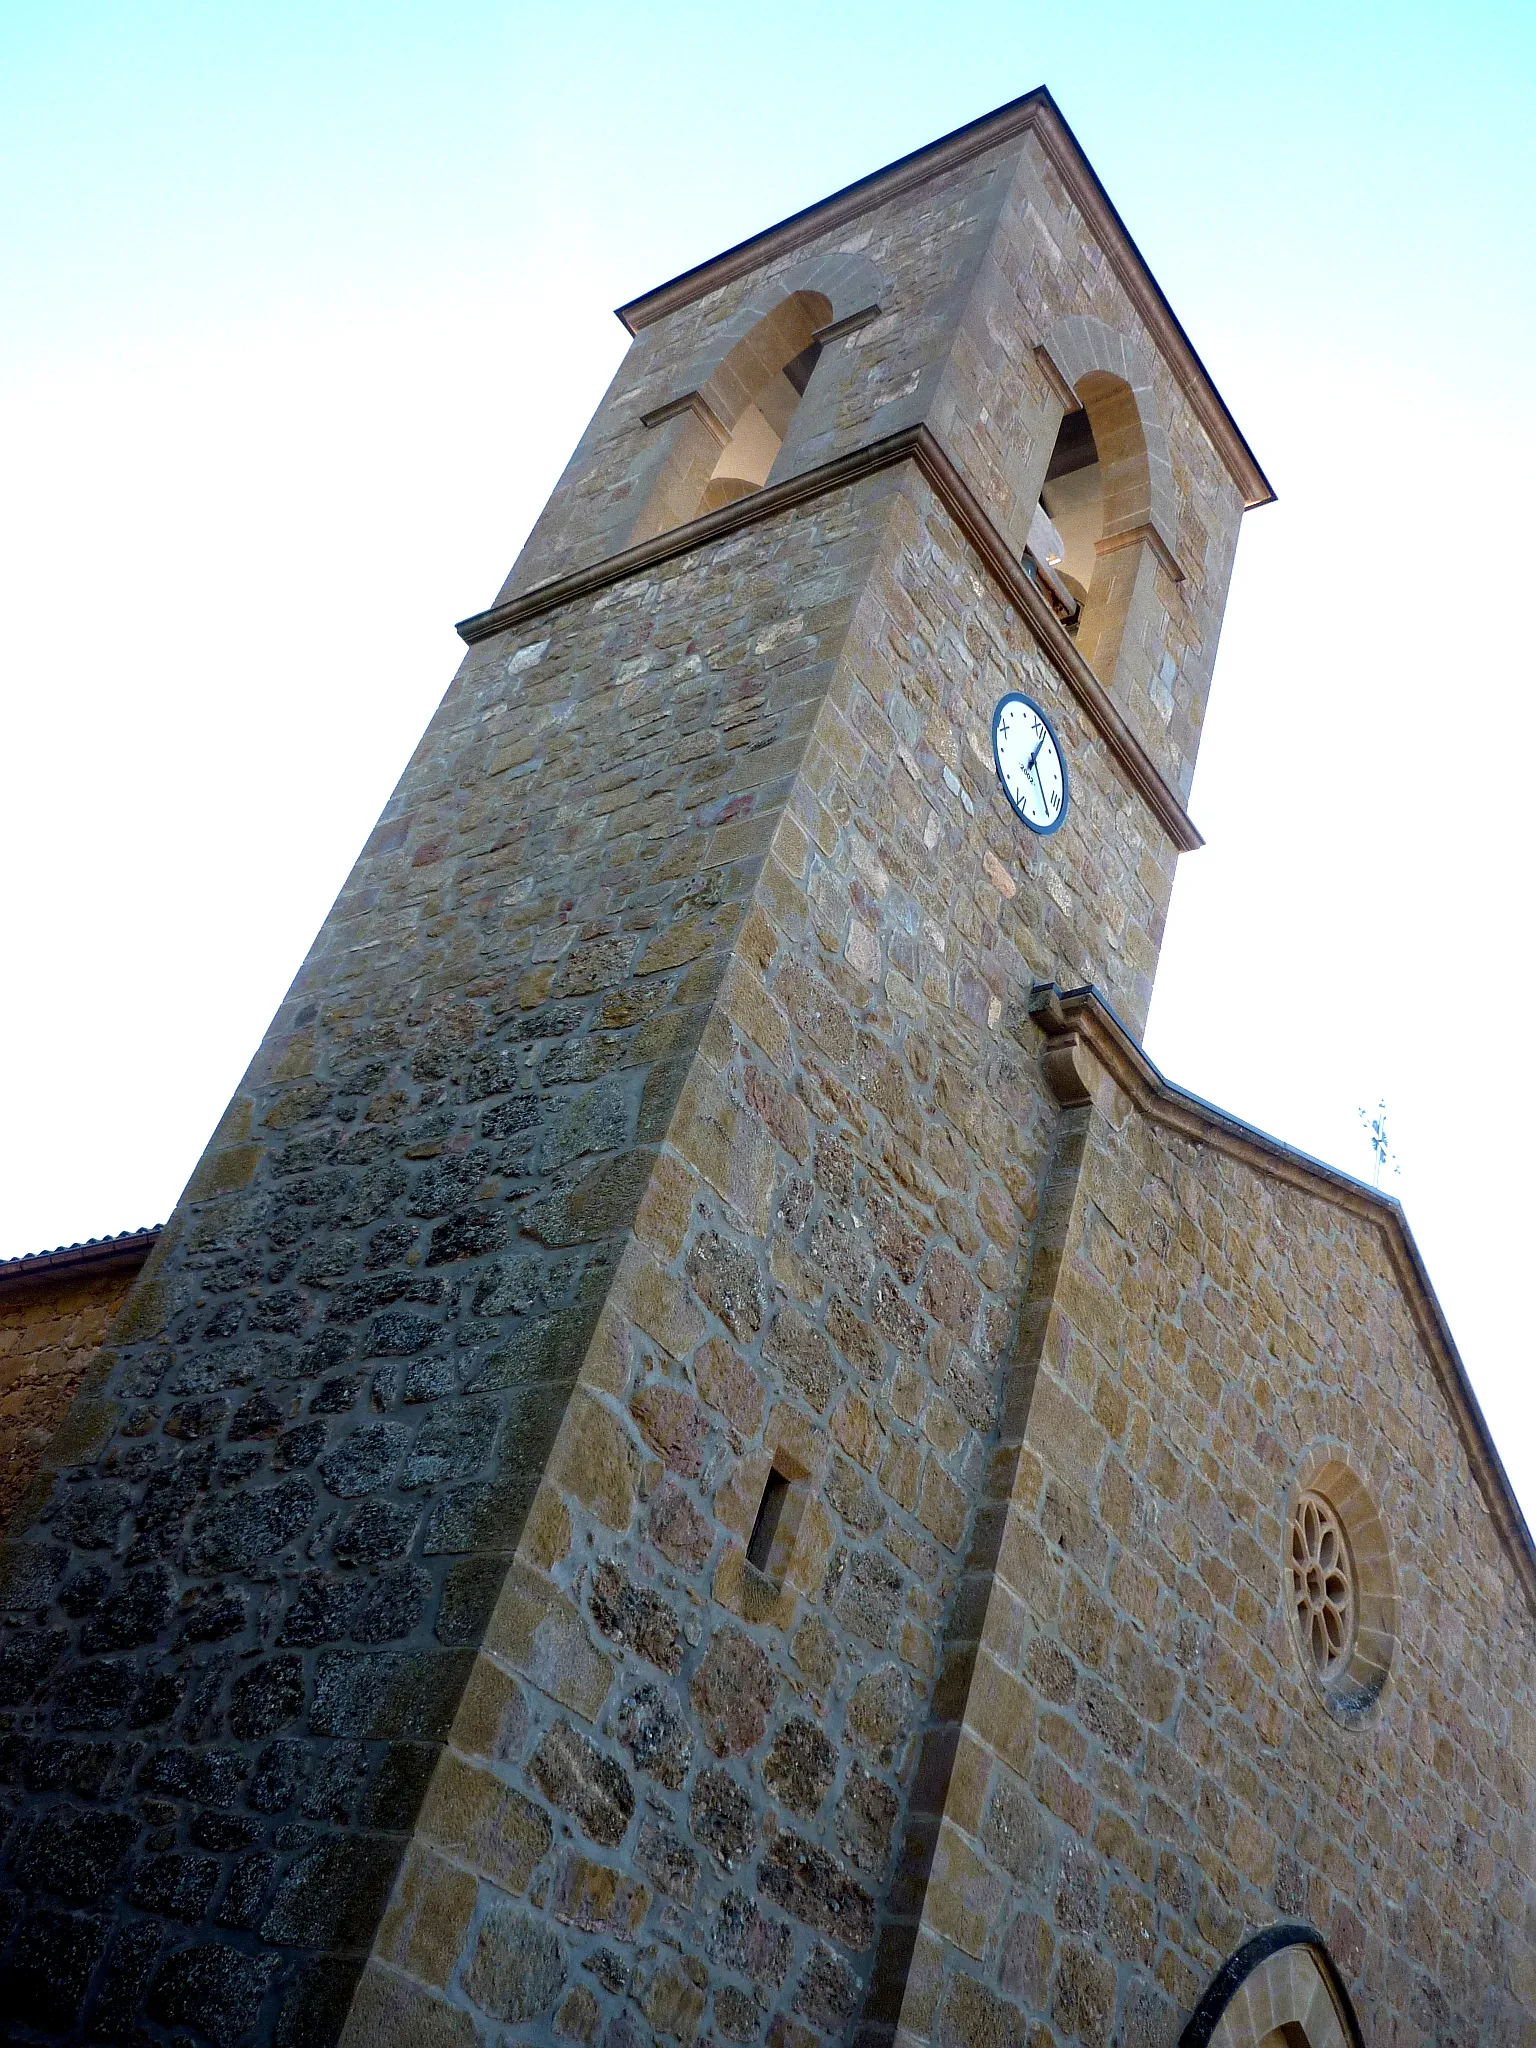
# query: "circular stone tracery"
1340,1586
1322,1585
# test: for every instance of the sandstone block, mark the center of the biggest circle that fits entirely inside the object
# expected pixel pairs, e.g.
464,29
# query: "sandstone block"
732,1691
476,1818
585,1783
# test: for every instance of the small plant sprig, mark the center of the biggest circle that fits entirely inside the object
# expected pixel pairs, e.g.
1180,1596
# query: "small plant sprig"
1376,1137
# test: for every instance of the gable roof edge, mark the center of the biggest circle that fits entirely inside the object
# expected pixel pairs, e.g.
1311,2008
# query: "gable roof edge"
1085,1013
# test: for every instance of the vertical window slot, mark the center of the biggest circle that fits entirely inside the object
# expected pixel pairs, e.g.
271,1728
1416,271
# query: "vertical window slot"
770,1513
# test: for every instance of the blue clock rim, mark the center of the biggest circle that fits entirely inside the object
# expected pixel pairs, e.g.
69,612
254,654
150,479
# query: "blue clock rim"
1040,831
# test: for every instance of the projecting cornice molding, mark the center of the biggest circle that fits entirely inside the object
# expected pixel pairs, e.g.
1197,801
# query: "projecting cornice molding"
1081,1030
919,446
1035,113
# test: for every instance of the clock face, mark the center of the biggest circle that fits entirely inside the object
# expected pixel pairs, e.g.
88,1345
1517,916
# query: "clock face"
1029,763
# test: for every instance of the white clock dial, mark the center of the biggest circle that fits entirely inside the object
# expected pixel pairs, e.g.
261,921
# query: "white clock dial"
1029,763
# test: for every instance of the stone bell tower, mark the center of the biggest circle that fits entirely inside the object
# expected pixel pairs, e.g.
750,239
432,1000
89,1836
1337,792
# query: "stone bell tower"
522,1558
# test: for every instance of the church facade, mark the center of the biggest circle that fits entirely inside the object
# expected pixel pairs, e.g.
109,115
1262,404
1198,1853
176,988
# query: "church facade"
711,1455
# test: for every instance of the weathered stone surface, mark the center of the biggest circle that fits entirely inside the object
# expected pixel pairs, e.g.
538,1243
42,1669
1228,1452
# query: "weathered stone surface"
723,1817
866,1815
629,1614
584,1783
732,1691
378,1531
803,1356
389,2007
654,1729
723,1275
751,1942
738,2014
333,1895
517,1967
800,1766
211,1987
387,1694
671,1994
815,1650
879,1710
871,1597
679,1531
266,1698
668,1861
598,1899
477,1819
828,1991
239,1531
806,1882
728,1383
580,2016
674,1427
50,1329
973,2017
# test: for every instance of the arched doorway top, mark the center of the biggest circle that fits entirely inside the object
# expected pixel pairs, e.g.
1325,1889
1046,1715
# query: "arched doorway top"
1281,1989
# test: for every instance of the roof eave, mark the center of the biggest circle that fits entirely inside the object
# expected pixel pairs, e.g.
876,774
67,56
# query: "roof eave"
130,1248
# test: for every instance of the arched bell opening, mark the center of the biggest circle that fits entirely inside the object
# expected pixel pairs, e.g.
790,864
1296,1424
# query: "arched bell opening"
728,435
1096,501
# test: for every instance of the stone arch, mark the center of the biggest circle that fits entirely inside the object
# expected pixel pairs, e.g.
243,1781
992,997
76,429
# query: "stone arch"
726,428
1112,375
847,280
1281,1989
1110,481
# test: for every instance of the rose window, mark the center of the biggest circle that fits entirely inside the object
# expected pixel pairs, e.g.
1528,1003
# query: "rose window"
1322,1585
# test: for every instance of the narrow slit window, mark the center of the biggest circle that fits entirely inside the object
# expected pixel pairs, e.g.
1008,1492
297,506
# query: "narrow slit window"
770,1512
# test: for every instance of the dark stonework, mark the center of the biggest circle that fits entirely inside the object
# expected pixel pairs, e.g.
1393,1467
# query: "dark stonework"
247,1585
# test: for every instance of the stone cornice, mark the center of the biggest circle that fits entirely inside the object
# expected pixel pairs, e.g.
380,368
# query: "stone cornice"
919,446
1035,112
1081,1021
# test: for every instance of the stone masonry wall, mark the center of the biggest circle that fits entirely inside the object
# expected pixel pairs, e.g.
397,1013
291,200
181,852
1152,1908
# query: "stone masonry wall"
275,1522
1148,1775
48,1333
676,1799
661,1036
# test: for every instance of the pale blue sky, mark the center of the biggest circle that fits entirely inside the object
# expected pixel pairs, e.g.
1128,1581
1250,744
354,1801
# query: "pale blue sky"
303,307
